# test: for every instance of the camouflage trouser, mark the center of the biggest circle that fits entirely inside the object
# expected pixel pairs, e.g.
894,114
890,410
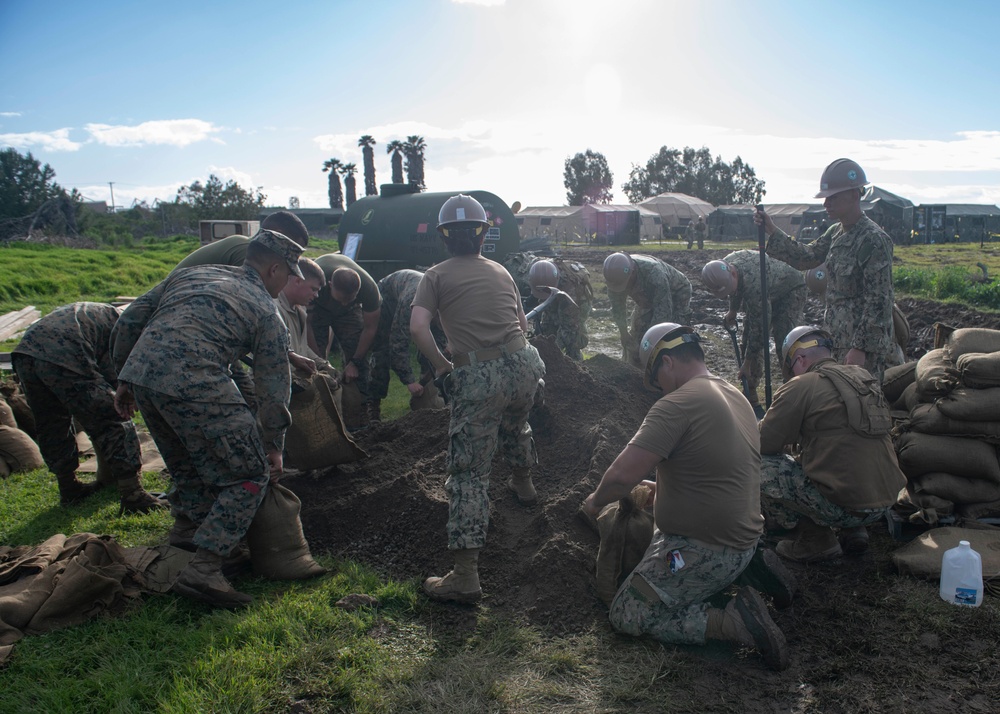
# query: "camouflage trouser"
786,494
874,363
347,324
671,606
56,396
216,460
489,406
785,314
680,312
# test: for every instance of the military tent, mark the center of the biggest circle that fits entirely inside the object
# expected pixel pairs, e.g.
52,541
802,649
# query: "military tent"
555,223
789,217
676,210
611,224
734,222
894,213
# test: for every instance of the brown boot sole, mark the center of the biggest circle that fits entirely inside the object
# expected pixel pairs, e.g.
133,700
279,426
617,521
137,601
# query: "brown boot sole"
786,549
523,501
465,598
231,600
768,639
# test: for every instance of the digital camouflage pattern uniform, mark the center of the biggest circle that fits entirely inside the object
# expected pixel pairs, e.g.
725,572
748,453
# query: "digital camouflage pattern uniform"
174,346
859,292
661,293
391,348
786,290
562,320
65,368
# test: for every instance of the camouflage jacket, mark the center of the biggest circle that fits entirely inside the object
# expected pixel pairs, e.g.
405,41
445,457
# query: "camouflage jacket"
655,284
781,280
75,337
859,292
181,337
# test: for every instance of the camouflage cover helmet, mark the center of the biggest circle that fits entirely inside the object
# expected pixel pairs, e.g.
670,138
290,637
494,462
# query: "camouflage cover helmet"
841,175
796,340
618,270
543,273
816,279
717,275
664,336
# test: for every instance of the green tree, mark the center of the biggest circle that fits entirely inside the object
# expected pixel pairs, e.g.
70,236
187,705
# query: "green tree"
695,173
334,190
368,154
350,183
214,200
30,199
414,150
395,147
587,179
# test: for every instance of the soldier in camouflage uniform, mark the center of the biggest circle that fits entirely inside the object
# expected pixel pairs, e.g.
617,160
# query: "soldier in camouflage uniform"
174,346
858,256
738,277
701,439
490,384
560,318
64,365
391,349
661,293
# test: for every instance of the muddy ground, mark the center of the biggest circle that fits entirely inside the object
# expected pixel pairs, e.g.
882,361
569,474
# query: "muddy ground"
389,511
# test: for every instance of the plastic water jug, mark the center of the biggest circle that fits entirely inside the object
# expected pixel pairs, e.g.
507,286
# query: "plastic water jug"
962,576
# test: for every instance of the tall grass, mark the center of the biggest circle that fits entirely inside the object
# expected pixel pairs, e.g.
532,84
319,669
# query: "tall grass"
948,283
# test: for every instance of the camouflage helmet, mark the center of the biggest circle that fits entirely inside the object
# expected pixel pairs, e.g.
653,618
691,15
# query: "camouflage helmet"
543,273
618,270
841,175
462,211
664,336
816,279
717,275
794,341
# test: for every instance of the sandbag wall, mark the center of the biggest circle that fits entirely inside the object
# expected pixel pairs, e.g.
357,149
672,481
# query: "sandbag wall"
948,403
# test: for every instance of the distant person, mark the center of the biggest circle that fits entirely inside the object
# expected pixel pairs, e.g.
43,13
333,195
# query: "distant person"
858,256
489,383
660,292
174,347
233,250
700,232
690,234
64,364
701,439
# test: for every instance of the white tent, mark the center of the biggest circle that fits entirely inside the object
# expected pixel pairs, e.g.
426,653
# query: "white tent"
676,210
563,223
788,216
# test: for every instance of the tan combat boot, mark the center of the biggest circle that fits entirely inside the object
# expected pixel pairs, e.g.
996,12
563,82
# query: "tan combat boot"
854,541
461,584
767,574
136,499
181,534
746,621
520,483
72,491
203,580
813,544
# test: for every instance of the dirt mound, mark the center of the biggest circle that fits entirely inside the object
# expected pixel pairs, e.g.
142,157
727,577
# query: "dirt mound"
389,511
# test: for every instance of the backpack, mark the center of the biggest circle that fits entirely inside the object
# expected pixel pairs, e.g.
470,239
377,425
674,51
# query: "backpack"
867,409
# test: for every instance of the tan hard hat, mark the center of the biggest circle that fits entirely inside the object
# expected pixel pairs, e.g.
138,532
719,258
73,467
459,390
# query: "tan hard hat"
460,211
664,336
841,175
543,273
816,279
717,275
618,270
794,342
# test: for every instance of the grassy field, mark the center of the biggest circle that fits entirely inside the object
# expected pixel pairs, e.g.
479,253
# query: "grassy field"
292,651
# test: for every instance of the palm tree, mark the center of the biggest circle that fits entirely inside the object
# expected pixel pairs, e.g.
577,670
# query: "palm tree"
348,170
335,193
414,149
366,143
395,147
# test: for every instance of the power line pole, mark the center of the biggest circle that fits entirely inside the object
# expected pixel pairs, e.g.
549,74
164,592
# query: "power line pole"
111,184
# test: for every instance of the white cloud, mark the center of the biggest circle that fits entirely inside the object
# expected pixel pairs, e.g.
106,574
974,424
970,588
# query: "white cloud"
481,3
10,114
170,132
57,140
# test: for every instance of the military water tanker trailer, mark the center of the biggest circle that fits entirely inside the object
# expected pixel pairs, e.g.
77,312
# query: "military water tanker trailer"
398,229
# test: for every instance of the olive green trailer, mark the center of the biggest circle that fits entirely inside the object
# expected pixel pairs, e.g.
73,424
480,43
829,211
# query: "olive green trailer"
398,229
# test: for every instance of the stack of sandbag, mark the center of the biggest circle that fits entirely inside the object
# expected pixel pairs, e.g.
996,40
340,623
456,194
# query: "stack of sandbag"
947,446
18,452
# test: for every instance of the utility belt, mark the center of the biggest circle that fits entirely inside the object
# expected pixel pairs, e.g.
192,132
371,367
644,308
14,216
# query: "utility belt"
514,344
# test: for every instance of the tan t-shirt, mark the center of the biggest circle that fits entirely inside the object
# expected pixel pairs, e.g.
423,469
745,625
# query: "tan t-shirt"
477,300
708,485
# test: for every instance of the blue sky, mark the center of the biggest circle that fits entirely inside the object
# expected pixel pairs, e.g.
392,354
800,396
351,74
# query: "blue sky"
155,96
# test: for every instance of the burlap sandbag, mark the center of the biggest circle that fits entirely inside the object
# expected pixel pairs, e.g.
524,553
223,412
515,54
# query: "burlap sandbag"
929,419
278,548
924,507
430,399
980,370
972,339
6,414
317,437
989,509
18,451
898,378
936,375
19,406
353,405
626,530
971,404
955,488
922,555
900,327
907,400
925,453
